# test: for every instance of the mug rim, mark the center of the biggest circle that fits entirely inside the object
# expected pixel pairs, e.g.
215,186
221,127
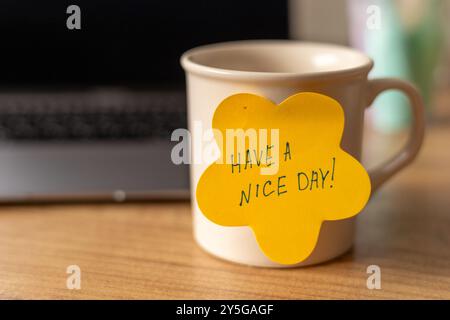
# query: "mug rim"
197,68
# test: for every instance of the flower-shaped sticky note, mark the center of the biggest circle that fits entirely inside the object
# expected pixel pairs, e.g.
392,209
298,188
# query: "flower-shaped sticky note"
311,179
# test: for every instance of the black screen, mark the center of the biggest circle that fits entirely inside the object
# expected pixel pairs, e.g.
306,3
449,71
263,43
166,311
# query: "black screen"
127,42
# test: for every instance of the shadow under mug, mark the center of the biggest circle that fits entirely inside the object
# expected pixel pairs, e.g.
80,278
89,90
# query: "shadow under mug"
276,70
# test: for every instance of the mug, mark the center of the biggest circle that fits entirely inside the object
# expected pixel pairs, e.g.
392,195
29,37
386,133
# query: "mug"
277,69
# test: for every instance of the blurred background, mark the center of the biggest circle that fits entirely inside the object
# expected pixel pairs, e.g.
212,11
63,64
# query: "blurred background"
94,108
407,39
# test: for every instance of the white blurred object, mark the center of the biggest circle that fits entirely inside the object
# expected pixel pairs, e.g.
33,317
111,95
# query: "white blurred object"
318,20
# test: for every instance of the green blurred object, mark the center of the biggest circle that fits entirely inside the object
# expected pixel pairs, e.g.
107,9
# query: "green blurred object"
407,45
424,44
388,48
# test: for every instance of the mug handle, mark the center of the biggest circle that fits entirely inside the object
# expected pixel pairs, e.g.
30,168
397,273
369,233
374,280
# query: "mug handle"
406,155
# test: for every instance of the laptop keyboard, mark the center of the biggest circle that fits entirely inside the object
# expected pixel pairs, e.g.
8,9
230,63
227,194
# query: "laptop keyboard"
91,116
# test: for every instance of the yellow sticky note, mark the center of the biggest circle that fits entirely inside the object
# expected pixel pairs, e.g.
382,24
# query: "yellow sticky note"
291,181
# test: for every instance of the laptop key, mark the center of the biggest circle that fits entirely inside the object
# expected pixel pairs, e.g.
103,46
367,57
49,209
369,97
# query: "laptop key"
145,120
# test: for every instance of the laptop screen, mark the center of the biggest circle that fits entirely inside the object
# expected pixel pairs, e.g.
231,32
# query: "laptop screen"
133,42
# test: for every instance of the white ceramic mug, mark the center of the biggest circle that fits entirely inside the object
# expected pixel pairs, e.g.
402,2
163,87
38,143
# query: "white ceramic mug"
276,70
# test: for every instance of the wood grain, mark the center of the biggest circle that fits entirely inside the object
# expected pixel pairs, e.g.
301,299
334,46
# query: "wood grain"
146,251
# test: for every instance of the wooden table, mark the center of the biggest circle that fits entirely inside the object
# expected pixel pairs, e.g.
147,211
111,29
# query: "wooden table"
146,251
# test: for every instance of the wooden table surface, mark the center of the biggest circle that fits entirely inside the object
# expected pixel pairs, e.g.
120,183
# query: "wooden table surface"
146,251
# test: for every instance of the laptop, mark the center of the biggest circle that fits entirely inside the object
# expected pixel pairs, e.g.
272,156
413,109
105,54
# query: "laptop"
87,114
